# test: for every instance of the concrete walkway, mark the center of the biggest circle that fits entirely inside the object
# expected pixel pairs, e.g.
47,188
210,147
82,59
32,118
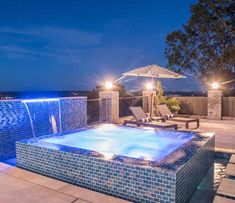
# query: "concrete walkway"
21,186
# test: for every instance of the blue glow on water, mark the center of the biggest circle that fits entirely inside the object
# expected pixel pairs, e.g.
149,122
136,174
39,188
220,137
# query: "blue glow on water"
109,140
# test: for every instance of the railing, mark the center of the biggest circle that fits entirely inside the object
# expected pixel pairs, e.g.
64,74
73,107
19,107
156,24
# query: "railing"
228,106
97,110
193,105
92,110
126,102
190,105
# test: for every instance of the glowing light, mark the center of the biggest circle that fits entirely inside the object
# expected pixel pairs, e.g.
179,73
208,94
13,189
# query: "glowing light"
107,155
215,85
149,86
39,100
108,85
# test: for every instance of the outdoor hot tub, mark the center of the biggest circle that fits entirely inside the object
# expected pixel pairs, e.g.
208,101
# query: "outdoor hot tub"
137,164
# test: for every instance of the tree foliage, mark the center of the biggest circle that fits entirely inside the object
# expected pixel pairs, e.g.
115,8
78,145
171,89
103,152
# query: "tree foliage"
205,44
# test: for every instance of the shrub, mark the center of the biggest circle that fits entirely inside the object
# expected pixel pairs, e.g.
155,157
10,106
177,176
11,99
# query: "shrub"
173,104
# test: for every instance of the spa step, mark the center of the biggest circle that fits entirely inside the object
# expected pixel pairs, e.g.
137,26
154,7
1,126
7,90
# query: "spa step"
232,159
230,170
227,187
219,199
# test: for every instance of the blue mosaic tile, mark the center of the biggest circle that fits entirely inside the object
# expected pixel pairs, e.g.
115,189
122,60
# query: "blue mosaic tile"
47,117
130,179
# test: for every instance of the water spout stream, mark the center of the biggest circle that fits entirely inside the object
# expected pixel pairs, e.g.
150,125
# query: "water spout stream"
52,118
30,119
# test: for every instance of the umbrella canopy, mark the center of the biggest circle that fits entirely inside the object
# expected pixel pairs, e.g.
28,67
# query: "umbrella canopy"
153,71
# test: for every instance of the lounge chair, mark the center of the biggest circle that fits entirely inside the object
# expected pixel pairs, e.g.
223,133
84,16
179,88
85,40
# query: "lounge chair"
165,112
141,119
139,115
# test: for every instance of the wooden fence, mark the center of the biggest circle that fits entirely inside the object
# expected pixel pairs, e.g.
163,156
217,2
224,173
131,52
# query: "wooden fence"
228,106
193,105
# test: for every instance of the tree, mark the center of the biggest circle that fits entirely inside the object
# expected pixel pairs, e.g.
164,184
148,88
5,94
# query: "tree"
160,99
205,44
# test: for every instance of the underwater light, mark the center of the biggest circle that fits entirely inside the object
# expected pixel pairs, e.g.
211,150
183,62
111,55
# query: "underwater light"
39,100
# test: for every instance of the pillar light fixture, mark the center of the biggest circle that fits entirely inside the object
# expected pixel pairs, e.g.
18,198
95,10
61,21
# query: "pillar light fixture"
149,86
215,85
108,85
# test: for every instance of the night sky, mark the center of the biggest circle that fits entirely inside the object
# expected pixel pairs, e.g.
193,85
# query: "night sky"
75,44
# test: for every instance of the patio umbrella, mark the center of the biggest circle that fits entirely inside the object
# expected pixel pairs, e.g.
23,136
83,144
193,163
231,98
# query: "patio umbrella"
153,71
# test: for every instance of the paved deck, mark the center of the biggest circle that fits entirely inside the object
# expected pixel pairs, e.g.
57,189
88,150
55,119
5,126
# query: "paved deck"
21,186
230,170
232,159
219,199
227,187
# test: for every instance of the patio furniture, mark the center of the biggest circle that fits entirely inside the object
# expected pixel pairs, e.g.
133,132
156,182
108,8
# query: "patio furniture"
165,112
152,124
232,159
141,119
139,115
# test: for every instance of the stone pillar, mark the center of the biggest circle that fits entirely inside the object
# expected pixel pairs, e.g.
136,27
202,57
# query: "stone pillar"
109,106
146,102
214,104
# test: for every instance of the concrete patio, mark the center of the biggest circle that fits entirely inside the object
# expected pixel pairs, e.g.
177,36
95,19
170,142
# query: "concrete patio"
22,186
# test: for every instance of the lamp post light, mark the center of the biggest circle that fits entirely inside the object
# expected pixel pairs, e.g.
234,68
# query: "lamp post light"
108,85
149,86
215,85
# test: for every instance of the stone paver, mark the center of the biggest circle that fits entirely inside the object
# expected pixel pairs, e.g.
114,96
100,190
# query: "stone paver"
227,187
232,159
36,178
9,183
230,170
13,189
35,193
21,186
89,195
219,199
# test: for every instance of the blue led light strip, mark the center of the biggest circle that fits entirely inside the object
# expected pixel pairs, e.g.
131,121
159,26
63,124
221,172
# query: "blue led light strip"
39,100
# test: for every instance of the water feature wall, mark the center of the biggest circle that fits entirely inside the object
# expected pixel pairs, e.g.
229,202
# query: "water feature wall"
21,119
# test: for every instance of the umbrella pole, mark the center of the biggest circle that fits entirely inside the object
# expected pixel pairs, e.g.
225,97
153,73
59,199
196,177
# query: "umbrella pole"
151,106
151,102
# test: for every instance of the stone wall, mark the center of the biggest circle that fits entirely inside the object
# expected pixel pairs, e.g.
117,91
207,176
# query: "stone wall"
214,104
109,106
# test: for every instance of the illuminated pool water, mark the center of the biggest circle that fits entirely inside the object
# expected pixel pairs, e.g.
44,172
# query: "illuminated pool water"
109,140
